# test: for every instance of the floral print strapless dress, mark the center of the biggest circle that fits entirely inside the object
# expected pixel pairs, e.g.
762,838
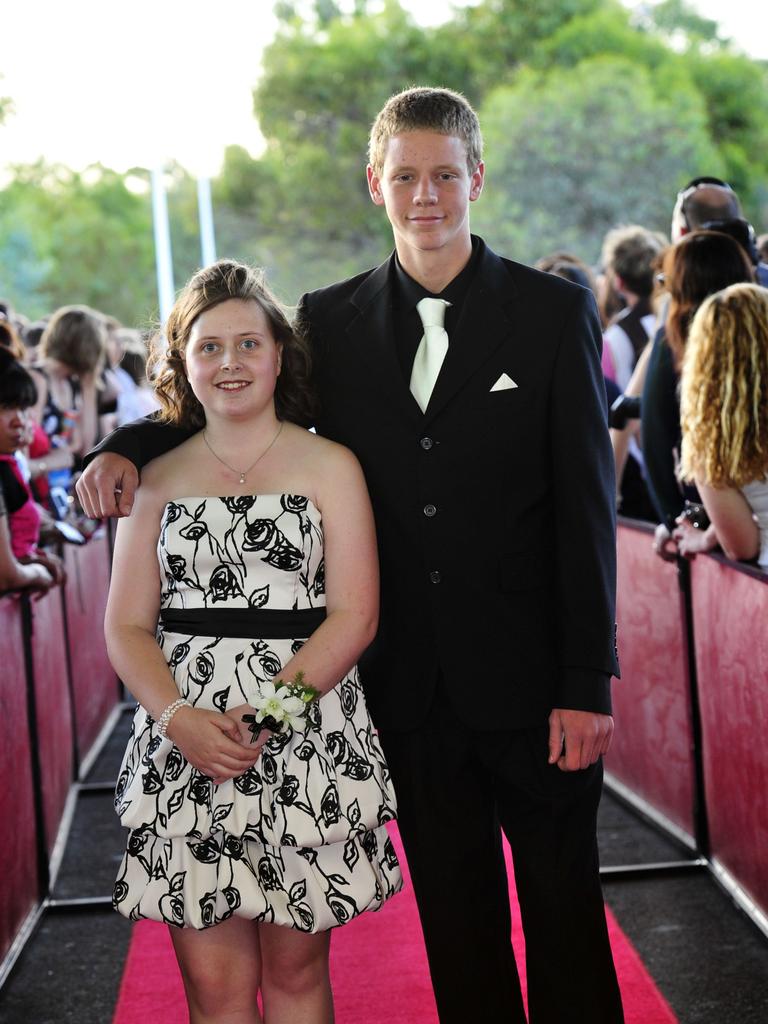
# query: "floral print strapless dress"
299,839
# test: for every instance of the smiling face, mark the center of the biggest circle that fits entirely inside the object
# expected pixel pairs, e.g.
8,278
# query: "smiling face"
426,188
232,359
13,429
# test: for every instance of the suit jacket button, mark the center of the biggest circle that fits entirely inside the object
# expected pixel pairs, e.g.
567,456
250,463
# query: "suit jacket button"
426,443
435,576
430,510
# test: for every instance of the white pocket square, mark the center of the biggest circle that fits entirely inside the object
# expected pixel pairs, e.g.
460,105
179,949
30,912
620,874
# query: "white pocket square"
504,383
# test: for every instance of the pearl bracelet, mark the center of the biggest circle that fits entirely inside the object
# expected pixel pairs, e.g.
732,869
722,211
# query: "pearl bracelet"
165,718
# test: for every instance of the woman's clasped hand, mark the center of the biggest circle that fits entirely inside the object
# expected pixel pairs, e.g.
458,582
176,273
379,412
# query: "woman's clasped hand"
215,743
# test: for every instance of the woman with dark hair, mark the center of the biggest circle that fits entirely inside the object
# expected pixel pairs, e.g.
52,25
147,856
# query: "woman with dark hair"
22,564
253,784
700,264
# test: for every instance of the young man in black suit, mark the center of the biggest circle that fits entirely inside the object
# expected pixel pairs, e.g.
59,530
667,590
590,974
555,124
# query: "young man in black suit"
485,447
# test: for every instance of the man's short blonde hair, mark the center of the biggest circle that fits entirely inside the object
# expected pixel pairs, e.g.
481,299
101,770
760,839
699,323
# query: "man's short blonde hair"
426,109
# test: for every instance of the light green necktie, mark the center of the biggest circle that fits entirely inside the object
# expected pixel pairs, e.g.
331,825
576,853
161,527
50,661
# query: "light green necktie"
431,351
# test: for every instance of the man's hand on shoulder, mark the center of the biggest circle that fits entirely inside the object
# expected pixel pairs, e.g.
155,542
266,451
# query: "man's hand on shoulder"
578,738
108,486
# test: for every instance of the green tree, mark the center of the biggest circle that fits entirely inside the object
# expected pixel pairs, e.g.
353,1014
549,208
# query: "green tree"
675,18
573,152
77,238
499,36
592,114
735,91
733,87
607,30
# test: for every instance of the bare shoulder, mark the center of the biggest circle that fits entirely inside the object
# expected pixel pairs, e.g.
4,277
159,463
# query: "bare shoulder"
326,455
327,466
162,477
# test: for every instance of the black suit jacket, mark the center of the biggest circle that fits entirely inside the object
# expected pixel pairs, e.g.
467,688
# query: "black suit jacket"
494,509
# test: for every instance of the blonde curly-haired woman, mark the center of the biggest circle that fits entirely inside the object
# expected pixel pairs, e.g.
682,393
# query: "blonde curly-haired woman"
724,419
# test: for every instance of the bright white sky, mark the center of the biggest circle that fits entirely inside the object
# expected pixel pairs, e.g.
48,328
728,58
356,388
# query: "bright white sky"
133,83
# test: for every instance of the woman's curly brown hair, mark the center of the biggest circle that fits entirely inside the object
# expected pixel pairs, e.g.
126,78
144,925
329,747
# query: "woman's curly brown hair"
700,264
209,287
724,389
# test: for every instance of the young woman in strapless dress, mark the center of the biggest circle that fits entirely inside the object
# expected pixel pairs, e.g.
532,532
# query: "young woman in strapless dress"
249,560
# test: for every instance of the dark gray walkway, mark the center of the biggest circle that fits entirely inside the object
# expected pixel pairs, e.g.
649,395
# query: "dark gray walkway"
710,962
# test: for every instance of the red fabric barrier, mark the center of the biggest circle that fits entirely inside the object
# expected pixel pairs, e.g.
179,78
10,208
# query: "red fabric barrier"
54,709
18,856
93,678
730,617
651,751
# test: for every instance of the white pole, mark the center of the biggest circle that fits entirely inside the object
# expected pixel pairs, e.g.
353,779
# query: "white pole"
163,259
205,216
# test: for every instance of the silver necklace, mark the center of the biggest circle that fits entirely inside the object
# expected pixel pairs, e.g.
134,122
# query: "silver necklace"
244,472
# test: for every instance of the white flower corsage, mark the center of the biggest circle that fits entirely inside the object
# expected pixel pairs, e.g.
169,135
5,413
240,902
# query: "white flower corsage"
281,705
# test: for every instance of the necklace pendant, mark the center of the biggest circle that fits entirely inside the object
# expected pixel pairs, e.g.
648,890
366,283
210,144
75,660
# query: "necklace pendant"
242,474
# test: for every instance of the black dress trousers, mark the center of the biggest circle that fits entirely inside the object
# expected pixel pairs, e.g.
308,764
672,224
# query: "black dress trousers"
457,789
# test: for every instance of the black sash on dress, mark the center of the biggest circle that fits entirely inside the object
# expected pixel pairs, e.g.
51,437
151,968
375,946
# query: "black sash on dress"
253,623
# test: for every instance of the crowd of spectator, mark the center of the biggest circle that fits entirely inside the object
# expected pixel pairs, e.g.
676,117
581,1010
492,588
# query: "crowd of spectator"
650,292
65,382
684,319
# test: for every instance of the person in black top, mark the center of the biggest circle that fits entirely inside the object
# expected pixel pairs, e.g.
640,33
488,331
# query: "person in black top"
700,264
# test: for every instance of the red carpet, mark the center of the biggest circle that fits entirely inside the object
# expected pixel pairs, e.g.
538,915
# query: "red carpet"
378,966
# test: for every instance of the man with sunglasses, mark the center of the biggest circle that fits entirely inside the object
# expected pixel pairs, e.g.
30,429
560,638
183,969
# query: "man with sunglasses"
710,204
